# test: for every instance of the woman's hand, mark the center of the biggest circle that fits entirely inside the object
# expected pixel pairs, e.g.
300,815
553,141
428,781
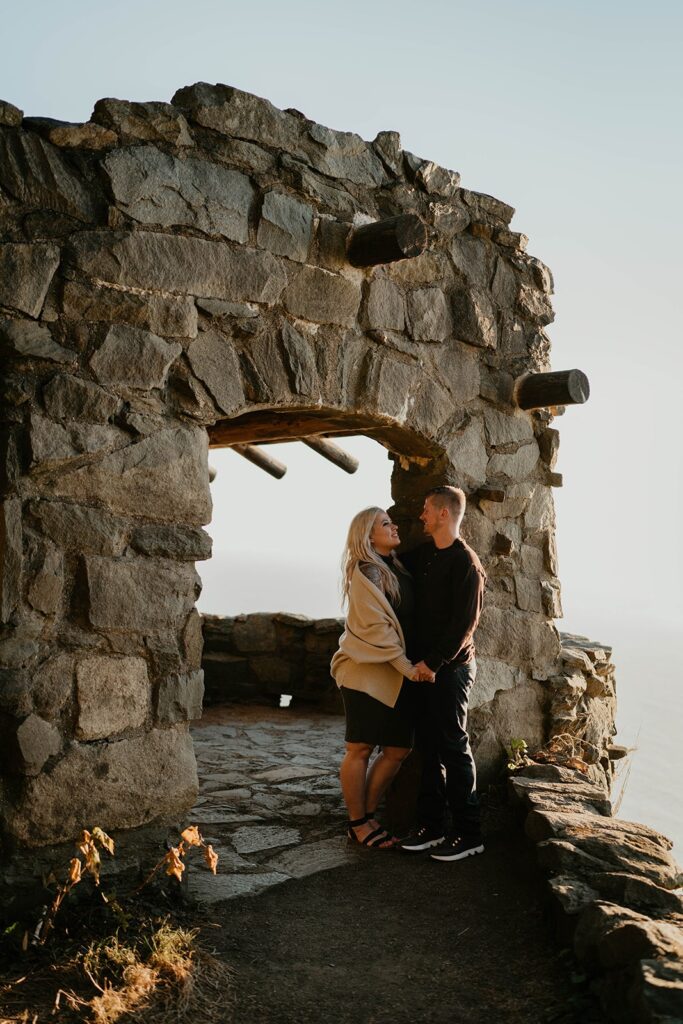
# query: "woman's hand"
423,674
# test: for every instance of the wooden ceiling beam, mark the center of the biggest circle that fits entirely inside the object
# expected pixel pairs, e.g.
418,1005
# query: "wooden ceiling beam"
332,452
258,458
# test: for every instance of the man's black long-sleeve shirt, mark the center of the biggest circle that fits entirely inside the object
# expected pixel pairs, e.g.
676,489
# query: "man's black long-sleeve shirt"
449,590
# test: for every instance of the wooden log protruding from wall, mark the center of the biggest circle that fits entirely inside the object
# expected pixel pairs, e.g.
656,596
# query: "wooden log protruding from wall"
331,451
562,387
385,241
259,458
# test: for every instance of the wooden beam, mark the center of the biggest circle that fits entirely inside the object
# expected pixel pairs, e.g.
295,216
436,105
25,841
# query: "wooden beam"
331,451
562,387
265,462
262,427
385,241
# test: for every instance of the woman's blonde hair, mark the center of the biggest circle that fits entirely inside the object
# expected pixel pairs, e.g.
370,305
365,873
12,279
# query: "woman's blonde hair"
359,549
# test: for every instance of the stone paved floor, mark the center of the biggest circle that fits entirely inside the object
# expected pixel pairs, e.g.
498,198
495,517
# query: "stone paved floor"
269,798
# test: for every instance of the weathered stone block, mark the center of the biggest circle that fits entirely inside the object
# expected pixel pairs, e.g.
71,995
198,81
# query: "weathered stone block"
389,386
25,274
551,599
271,671
540,512
474,258
255,633
173,316
149,122
51,685
528,594
492,676
429,315
437,180
458,368
384,305
180,698
519,712
299,358
37,741
127,783
10,556
174,263
517,466
615,937
113,695
193,640
474,318
45,590
134,358
505,285
70,398
232,112
34,340
535,305
10,115
139,594
214,360
344,155
52,443
518,637
322,297
467,453
34,172
186,543
79,528
81,136
286,226
155,188
502,428
164,477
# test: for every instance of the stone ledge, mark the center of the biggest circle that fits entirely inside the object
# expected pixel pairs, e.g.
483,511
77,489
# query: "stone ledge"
611,887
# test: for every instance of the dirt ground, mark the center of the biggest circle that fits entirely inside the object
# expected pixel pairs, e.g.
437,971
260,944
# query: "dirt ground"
398,938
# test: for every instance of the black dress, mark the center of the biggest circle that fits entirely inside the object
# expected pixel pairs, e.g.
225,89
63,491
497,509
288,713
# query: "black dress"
369,720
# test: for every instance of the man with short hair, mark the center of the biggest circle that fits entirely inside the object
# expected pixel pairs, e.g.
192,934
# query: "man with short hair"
449,586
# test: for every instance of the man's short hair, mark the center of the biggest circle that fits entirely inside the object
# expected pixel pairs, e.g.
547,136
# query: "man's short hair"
452,498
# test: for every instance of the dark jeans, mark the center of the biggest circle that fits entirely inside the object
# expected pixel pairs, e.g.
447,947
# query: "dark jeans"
449,778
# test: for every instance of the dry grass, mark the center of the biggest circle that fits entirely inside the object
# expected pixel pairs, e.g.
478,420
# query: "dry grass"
161,974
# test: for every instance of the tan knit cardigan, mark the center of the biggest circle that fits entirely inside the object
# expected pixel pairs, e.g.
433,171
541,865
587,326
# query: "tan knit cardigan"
372,651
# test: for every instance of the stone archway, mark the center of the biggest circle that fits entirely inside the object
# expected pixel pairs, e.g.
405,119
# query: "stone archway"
187,269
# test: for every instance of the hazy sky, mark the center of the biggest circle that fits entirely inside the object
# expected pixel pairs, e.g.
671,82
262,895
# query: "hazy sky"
570,112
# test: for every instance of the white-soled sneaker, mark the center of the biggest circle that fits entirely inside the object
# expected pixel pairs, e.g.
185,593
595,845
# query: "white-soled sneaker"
423,839
457,849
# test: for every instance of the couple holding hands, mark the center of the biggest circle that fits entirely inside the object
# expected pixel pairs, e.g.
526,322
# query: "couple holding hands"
405,666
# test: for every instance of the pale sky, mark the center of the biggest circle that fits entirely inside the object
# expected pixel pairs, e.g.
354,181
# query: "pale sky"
571,113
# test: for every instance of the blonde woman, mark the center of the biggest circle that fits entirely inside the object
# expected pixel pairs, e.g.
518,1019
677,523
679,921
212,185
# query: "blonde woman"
370,668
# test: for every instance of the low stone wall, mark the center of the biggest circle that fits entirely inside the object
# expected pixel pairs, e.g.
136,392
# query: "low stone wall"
261,656
611,885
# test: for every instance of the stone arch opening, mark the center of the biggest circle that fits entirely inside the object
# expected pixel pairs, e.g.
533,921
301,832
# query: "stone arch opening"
280,647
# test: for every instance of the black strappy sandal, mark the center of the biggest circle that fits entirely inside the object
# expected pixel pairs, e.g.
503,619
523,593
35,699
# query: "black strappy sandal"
374,840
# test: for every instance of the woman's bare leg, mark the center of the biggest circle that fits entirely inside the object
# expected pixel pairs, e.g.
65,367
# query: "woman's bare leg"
353,774
382,771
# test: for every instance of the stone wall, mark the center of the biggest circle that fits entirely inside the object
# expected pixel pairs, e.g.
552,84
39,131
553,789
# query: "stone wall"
262,656
611,888
174,274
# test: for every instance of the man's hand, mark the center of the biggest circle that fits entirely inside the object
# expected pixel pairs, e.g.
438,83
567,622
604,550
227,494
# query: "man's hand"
423,673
